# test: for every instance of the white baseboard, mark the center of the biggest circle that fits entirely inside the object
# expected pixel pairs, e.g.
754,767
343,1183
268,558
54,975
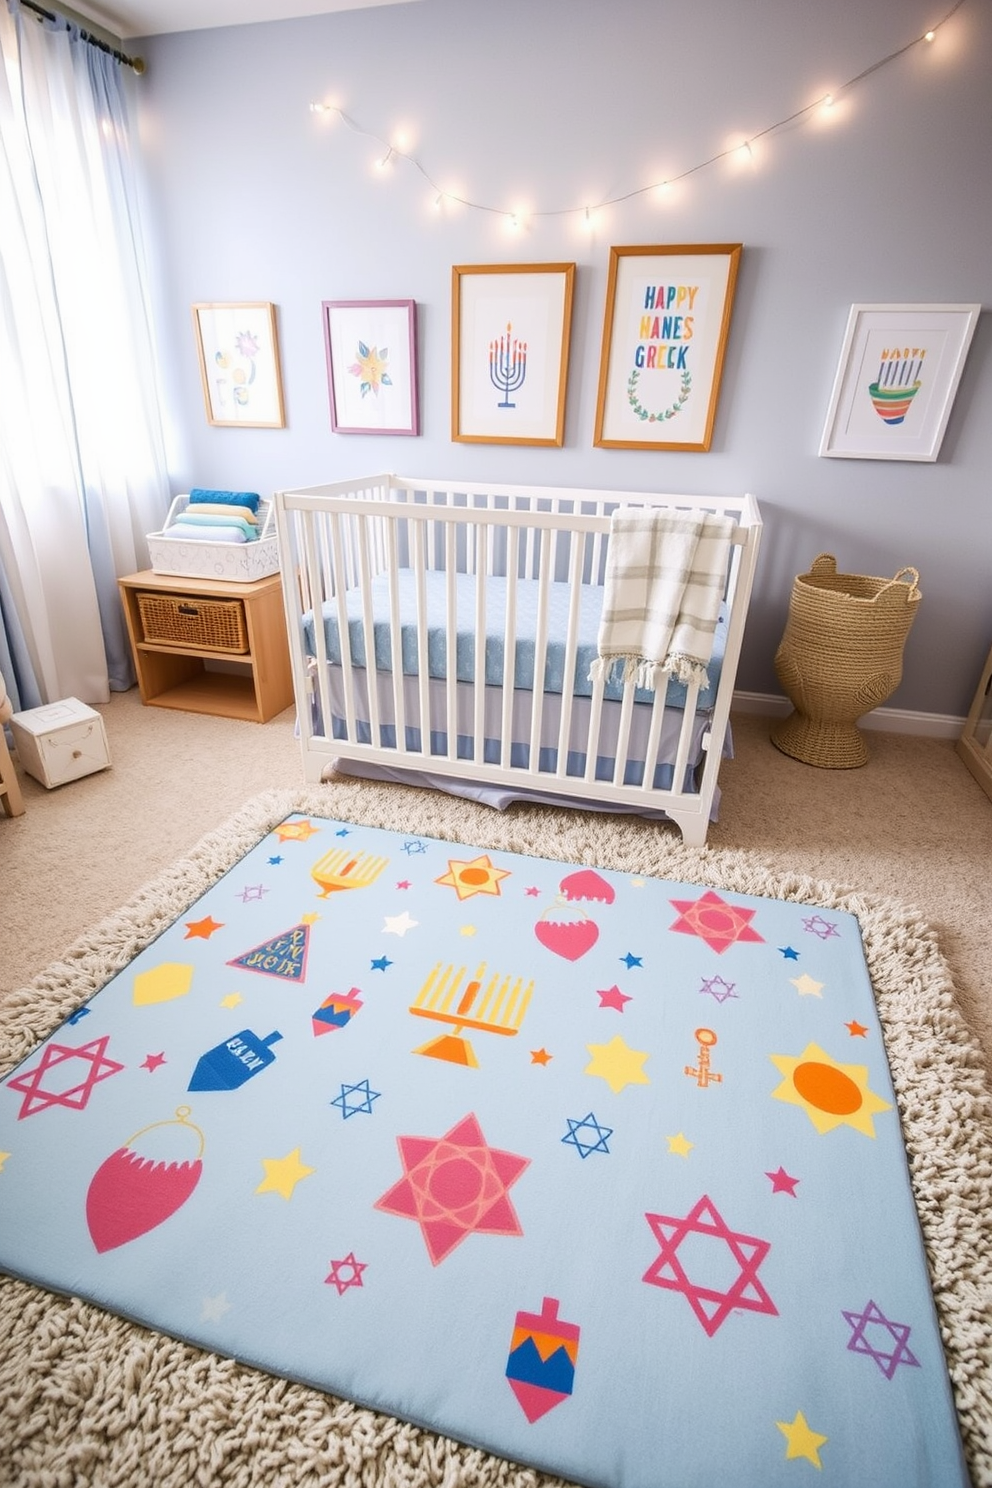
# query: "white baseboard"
886,720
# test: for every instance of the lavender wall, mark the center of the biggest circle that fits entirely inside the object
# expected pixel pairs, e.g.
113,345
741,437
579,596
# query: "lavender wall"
556,103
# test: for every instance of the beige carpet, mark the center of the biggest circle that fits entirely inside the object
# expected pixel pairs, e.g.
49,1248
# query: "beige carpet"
90,1400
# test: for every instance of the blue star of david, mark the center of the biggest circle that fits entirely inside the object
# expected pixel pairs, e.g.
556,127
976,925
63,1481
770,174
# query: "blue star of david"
414,846
899,1333
362,1106
589,1123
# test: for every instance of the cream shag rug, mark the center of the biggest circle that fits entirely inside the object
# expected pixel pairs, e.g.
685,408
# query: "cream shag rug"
88,1399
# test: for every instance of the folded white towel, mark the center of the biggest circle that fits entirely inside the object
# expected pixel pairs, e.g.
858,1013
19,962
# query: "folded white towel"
666,573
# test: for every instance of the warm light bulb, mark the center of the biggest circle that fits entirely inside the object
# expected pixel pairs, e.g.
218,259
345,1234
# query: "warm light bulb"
828,102
929,35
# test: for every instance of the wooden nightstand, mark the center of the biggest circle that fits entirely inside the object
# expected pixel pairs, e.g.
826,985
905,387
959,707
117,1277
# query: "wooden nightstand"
209,647
975,743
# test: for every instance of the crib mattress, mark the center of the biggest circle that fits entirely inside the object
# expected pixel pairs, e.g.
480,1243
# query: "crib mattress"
527,592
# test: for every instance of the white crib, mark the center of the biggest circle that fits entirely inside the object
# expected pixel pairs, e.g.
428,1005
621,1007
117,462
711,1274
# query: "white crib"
415,572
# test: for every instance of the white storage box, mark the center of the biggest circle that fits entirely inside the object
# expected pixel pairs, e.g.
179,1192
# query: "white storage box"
237,563
60,741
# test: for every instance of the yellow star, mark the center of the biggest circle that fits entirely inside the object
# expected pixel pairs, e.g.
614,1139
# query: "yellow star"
479,876
282,1174
310,918
618,1064
806,987
467,930
803,1442
231,1000
637,883
680,1145
296,831
3,1158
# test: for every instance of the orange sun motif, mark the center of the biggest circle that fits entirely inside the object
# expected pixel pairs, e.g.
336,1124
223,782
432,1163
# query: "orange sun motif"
480,876
832,1094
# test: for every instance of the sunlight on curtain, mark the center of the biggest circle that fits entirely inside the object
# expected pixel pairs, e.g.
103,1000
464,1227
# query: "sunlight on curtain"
82,457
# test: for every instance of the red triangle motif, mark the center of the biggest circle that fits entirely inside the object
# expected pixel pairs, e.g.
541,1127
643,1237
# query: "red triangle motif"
535,1400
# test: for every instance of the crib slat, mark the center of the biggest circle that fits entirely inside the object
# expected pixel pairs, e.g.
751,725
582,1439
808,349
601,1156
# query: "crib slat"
509,648
623,732
420,536
481,646
685,736
365,529
451,641
395,635
340,592
540,653
568,673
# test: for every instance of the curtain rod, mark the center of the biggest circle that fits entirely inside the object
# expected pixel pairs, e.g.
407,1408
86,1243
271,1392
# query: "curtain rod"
137,63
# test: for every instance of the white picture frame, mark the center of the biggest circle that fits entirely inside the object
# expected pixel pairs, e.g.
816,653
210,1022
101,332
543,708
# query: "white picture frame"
899,370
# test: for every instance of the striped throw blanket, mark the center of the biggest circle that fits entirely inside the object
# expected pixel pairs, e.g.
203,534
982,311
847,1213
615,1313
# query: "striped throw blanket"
665,579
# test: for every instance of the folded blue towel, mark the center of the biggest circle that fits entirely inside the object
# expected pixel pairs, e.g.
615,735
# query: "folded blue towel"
195,532
206,520
227,498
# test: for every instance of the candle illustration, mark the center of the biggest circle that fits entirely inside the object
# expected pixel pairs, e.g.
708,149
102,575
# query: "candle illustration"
507,365
541,1363
341,869
898,382
494,1006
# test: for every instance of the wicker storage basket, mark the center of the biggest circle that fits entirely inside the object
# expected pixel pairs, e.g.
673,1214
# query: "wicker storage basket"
184,620
840,656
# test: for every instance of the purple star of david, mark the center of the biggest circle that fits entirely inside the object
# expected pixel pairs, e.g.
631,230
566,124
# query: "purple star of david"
859,1343
711,1306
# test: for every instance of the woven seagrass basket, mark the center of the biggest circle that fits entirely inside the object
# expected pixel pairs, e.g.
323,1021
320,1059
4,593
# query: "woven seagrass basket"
839,657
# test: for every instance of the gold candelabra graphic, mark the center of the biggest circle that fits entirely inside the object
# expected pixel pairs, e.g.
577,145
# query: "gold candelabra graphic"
341,869
496,1007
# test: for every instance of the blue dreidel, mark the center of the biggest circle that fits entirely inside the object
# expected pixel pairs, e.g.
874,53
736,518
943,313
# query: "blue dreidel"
231,1063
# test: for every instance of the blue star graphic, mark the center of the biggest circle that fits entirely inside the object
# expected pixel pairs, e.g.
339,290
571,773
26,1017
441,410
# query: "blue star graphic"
275,860
343,832
630,960
589,1122
789,953
414,846
380,963
82,1012
363,1105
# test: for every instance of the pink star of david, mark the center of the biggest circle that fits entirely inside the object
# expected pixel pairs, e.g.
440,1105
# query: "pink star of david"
711,1306
346,1273
75,1096
899,1333
455,1186
714,920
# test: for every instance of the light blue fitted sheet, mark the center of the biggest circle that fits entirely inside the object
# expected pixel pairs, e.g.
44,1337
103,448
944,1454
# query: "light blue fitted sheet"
590,607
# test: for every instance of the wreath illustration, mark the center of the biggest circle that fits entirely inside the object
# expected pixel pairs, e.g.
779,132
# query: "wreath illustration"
666,413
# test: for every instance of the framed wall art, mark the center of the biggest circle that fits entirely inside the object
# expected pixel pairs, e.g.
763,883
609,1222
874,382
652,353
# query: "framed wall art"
510,326
899,370
238,348
664,340
371,350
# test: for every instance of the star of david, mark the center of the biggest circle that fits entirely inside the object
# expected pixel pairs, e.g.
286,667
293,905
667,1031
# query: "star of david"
414,847
817,925
714,920
455,1186
711,1305
348,1107
346,1273
718,988
588,1123
899,1333
250,892
76,1097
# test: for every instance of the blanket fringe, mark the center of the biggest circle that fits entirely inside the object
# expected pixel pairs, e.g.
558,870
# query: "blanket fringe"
649,675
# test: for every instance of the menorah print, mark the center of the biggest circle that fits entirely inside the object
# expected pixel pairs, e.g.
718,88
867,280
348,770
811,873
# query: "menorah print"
898,382
507,365
341,869
499,1007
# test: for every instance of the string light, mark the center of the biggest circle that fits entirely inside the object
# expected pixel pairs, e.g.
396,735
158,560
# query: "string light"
661,189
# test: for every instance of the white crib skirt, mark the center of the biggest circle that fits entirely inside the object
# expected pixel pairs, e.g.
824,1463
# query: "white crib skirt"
414,767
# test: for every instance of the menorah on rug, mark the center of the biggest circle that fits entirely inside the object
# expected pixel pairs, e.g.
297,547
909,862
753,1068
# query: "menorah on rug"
499,1009
507,365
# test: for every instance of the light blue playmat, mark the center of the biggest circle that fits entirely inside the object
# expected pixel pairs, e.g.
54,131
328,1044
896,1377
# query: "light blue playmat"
600,1173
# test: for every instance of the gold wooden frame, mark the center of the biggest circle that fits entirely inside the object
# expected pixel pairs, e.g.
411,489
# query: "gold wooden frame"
226,330
546,311
691,335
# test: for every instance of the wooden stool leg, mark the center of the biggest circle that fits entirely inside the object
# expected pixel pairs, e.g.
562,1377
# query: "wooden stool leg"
10,786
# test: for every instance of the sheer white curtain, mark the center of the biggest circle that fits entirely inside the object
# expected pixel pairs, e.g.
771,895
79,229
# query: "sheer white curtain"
82,458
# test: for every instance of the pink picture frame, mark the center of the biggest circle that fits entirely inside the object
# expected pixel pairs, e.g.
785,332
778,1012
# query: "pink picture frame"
371,349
